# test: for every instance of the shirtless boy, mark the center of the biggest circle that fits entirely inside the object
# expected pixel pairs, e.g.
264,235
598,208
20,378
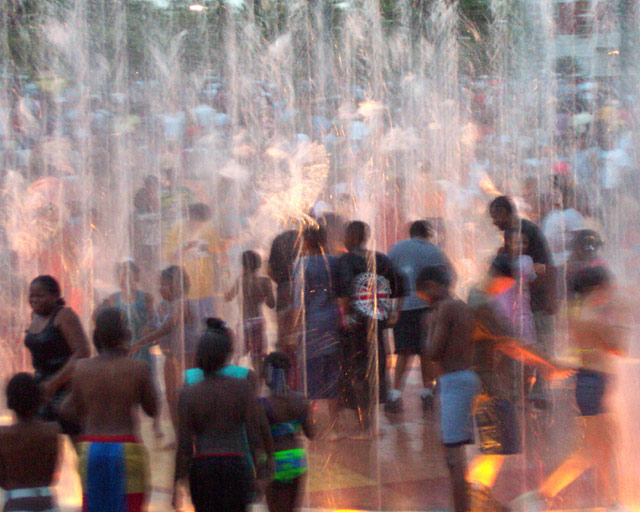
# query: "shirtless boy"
450,345
28,450
106,391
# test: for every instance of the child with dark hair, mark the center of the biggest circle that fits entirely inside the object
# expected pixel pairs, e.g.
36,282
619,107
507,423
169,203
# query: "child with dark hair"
288,414
29,450
256,290
218,416
176,334
106,392
450,345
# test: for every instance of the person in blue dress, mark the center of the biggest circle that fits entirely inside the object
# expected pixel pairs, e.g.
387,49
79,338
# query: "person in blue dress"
315,299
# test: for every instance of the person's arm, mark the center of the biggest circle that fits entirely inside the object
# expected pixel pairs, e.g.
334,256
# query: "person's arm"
233,291
150,314
307,421
184,451
530,357
171,323
269,298
252,379
148,396
258,431
437,341
395,314
72,407
71,329
3,469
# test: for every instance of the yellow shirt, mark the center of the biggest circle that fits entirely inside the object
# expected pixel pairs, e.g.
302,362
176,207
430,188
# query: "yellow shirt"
192,245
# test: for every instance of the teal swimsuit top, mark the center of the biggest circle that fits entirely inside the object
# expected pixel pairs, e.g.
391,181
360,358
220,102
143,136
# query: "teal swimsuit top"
195,375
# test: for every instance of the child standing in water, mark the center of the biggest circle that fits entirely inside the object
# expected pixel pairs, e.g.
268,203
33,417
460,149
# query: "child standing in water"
450,344
256,290
287,413
29,450
176,334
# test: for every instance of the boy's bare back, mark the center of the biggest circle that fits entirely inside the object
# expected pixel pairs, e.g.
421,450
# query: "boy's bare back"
451,341
28,454
106,390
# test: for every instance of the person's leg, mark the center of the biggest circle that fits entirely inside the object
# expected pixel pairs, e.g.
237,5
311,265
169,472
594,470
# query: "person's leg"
429,371
576,464
277,497
605,460
294,493
382,365
456,463
171,375
398,378
484,469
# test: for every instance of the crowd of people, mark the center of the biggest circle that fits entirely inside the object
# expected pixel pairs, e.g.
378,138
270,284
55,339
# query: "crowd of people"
345,293
336,303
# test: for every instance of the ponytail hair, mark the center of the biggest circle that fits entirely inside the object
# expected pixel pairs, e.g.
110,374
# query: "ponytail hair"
276,366
215,346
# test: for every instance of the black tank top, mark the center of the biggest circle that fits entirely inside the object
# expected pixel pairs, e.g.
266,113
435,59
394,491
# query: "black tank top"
49,349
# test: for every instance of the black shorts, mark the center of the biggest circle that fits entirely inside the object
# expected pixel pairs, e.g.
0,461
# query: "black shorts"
408,332
220,483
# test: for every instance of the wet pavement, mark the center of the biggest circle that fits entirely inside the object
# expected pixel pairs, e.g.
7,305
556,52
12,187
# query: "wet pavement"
400,469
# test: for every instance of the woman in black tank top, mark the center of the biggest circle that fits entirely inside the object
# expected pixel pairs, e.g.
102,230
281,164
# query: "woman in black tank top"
56,340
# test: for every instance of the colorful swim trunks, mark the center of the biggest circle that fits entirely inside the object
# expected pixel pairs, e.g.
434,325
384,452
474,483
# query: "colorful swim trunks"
114,473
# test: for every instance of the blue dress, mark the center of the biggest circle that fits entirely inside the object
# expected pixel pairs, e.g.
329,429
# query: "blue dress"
314,292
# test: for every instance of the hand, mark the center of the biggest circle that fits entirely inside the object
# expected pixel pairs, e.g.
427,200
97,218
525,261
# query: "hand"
559,373
393,318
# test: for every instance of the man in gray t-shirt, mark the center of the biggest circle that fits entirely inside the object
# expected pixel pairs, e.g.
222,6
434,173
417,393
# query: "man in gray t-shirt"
409,257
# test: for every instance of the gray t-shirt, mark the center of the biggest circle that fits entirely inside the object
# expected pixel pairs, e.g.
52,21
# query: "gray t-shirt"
409,257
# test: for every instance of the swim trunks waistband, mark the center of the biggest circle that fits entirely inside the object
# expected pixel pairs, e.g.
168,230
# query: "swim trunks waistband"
28,492
207,455
110,439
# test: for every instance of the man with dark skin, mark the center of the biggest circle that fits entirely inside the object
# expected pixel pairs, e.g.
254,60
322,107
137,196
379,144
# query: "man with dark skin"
29,450
450,345
106,391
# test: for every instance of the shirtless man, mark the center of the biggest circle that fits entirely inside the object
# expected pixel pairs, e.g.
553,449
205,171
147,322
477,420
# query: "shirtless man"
29,450
450,345
106,391
599,323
